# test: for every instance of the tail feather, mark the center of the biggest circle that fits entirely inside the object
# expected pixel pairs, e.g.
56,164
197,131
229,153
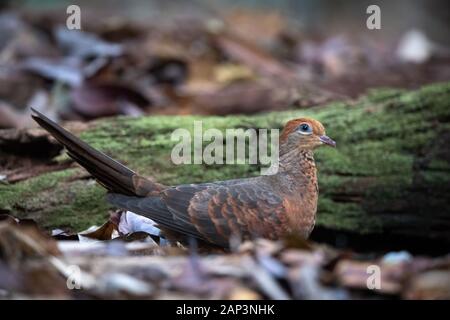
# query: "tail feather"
111,174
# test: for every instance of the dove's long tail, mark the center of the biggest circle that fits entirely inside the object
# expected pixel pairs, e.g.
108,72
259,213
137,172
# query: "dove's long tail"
109,173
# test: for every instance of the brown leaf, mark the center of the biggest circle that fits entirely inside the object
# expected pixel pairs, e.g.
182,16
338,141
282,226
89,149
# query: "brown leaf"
355,274
433,284
104,232
244,97
9,118
255,25
107,99
253,57
19,243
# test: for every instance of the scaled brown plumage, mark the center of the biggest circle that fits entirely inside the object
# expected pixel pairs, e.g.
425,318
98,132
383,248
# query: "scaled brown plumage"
264,206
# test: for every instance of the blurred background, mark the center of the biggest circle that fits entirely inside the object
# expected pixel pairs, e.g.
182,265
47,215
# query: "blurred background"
211,57
399,16
383,192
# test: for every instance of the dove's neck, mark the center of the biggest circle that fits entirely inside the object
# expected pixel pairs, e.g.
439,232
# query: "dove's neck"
295,161
297,167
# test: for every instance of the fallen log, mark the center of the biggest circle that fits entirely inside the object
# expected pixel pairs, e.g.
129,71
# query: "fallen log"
388,180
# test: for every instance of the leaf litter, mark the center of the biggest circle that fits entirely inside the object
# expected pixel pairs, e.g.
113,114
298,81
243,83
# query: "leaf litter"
110,261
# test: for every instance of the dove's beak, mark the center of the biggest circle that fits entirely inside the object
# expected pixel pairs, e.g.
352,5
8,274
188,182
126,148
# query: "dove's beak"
328,141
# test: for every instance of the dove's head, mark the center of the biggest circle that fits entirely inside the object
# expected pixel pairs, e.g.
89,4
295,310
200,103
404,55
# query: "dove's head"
305,133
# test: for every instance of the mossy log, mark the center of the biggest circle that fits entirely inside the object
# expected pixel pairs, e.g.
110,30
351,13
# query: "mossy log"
389,175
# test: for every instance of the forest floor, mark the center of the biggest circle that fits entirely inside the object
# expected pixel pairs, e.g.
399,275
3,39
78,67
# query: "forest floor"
124,86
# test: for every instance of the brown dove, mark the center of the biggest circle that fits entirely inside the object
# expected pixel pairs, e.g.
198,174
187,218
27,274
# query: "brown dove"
269,206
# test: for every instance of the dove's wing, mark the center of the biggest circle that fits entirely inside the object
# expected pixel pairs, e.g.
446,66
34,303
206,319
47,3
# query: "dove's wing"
155,209
213,211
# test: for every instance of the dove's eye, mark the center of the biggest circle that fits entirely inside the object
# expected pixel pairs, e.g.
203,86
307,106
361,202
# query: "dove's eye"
305,128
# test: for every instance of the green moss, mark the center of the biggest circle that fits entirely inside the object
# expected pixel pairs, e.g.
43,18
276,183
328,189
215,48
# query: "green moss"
345,216
55,201
23,194
85,202
380,95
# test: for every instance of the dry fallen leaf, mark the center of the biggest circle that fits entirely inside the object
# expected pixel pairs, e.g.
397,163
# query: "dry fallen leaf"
107,99
430,285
